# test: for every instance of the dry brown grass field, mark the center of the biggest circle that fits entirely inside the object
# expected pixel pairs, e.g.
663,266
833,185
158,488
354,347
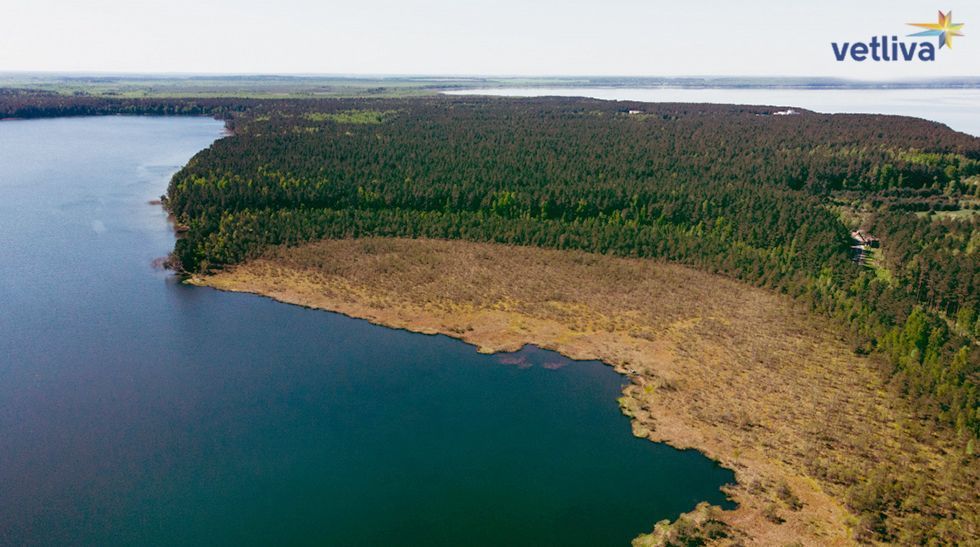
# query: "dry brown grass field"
742,374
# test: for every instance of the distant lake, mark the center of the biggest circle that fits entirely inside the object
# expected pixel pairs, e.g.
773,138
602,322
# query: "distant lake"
957,108
136,410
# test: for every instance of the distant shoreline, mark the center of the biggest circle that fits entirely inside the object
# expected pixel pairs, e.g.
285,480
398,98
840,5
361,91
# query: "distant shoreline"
324,86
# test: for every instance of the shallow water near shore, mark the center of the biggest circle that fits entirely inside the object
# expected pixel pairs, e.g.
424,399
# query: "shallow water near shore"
134,409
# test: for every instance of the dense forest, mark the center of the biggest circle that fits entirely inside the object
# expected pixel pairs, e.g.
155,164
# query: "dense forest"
730,189
742,191
28,103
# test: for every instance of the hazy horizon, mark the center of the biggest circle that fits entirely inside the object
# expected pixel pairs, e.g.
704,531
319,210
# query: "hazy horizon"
449,76
576,38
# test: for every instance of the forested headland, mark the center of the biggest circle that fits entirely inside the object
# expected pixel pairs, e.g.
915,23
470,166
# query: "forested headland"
740,191
729,189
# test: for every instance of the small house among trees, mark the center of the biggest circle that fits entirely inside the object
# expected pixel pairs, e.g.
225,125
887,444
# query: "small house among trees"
864,238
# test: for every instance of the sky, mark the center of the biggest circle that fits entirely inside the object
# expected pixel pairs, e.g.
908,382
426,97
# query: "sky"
474,37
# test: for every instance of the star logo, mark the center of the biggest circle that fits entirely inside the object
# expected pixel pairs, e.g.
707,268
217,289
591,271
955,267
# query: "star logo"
945,29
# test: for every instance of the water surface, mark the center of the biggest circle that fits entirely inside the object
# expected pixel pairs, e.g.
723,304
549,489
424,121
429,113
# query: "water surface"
135,410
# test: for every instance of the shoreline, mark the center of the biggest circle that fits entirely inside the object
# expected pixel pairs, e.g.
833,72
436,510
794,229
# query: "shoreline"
823,518
738,517
701,511
628,375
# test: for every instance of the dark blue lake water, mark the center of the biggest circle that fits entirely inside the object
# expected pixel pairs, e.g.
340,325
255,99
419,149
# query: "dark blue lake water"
136,410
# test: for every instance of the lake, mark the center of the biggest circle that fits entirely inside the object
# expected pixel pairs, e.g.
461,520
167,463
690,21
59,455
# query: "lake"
137,410
957,108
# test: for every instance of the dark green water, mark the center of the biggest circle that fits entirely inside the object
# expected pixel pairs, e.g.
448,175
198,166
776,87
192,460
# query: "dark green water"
134,410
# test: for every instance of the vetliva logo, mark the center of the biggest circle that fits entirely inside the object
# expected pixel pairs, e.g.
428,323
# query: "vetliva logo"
891,48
